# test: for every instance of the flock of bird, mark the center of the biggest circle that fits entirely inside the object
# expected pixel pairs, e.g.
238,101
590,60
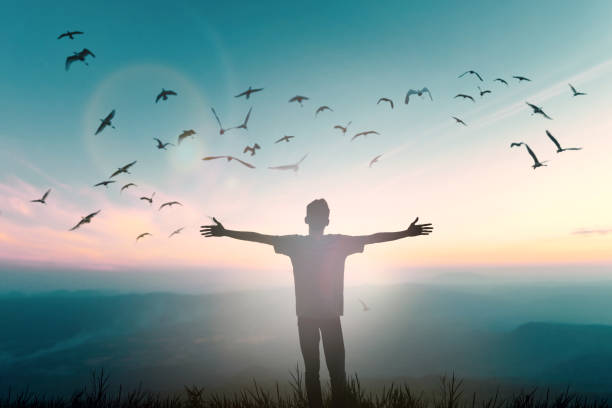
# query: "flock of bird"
164,95
535,110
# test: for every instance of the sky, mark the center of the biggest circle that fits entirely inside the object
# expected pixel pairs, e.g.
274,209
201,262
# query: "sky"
488,206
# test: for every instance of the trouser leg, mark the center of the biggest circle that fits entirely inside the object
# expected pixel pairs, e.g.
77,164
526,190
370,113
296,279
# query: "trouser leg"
308,330
333,346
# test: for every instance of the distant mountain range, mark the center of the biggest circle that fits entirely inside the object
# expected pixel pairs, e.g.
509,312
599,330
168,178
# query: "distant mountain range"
541,335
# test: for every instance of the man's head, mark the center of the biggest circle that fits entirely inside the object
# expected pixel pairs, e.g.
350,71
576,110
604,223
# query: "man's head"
317,215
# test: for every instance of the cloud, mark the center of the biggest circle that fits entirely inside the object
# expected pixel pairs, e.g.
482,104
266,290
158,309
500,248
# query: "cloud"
586,232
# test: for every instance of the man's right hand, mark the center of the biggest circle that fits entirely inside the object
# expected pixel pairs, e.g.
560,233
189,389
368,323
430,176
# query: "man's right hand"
216,230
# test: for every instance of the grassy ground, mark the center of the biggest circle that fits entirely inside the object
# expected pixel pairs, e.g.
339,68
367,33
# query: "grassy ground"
449,395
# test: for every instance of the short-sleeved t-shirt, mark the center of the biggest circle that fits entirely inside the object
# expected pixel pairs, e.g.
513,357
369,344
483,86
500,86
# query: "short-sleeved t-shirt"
318,271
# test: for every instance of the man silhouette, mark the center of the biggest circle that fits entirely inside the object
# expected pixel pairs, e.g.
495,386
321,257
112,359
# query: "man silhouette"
318,271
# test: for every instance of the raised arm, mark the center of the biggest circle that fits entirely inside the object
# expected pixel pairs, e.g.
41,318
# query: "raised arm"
218,230
412,231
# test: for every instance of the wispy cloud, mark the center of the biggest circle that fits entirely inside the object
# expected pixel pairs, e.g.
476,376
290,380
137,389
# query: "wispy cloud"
586,232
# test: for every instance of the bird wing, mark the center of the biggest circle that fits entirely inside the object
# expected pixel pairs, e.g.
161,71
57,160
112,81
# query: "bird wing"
86,52
466,72
410,92
363,304
241,94
573,89
70,60
76,226
127,166
163,205
427,90
302,159
374,160
281,139
340,127
159,95
62,35
77,32
544,114
101,127
118,171
214,157
246,149
245,163
531,153
553,140
216,117
170,92
44,197
285,167
514,144
246,120
110,116
532,106
478,75
90,216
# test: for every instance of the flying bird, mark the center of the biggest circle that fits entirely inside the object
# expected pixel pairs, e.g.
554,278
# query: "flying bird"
521,78
299,99
503,81
464,96
85,220
163,95
185,134
369,132
169,204
106,122
323,108
244,124
149,199
251,149
123,169
559,148
459,121
374,160
538,109
536,162
104,183
144,234
472,72
128,185
418,92
161,145
229,158
43,199
364,306
79,56
284,138
178,231
248,92
343,128
221,130
385,100
576,93
295,167
486,91
69,34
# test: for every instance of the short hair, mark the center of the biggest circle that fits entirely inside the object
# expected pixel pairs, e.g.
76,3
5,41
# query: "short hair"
317,208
